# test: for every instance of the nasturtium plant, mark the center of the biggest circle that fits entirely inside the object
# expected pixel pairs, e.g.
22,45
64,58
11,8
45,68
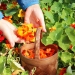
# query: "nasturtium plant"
59,16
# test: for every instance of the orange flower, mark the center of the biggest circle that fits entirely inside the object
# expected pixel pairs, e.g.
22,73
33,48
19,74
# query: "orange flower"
17,50
8,18
14,3
8,44
62,71
44,53
26,32
71,46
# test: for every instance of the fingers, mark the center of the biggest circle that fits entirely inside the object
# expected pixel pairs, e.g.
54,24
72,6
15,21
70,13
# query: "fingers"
27,16
42,23
10,25
9,35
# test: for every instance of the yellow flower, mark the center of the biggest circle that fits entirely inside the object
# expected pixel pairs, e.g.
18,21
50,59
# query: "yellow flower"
21,13
52,29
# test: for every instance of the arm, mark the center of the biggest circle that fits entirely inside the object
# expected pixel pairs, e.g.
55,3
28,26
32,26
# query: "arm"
26,3
33,13
1,15
8,31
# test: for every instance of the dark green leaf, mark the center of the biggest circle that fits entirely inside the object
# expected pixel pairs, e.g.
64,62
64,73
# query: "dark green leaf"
11,11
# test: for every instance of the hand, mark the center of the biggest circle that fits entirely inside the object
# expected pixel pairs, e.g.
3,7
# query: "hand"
34,15
8,31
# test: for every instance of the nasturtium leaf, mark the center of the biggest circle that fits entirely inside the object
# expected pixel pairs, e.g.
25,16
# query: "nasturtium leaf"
56,35
70,33
56,17
25,73
46,1
64,42
69,20
56,7
66,57
58,25
73,48
69,71
65,13
10,12
15,65
7,71
46,40
60,1
2,64
50,16
67,1
73,5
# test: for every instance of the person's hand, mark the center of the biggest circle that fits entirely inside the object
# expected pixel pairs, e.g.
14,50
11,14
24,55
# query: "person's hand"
8,31
34,15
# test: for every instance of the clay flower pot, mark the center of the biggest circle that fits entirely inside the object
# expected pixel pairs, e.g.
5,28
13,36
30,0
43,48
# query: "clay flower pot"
44,66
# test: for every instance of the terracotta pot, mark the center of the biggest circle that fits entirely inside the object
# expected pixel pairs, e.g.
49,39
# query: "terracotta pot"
44,66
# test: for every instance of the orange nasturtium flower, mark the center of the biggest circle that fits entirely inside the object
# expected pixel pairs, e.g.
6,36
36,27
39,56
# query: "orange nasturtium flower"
73,25
44,53
21,13
8,18
62,71
8,45
26,32
14,3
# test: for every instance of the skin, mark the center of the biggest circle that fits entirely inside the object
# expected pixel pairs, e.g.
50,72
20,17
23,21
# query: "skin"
35,16
8,31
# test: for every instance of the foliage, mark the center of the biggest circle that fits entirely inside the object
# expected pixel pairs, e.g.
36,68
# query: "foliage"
60,23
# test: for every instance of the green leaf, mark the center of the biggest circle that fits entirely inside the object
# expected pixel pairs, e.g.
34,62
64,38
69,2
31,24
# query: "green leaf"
14,65
70,33
56,7
50,16
66,57
64,42
46,1
46,40
73,5
55,35
69,71
73,48
10,12
69,20
2,64
7,71
65,13
68,1
25,73
61,1
56,17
